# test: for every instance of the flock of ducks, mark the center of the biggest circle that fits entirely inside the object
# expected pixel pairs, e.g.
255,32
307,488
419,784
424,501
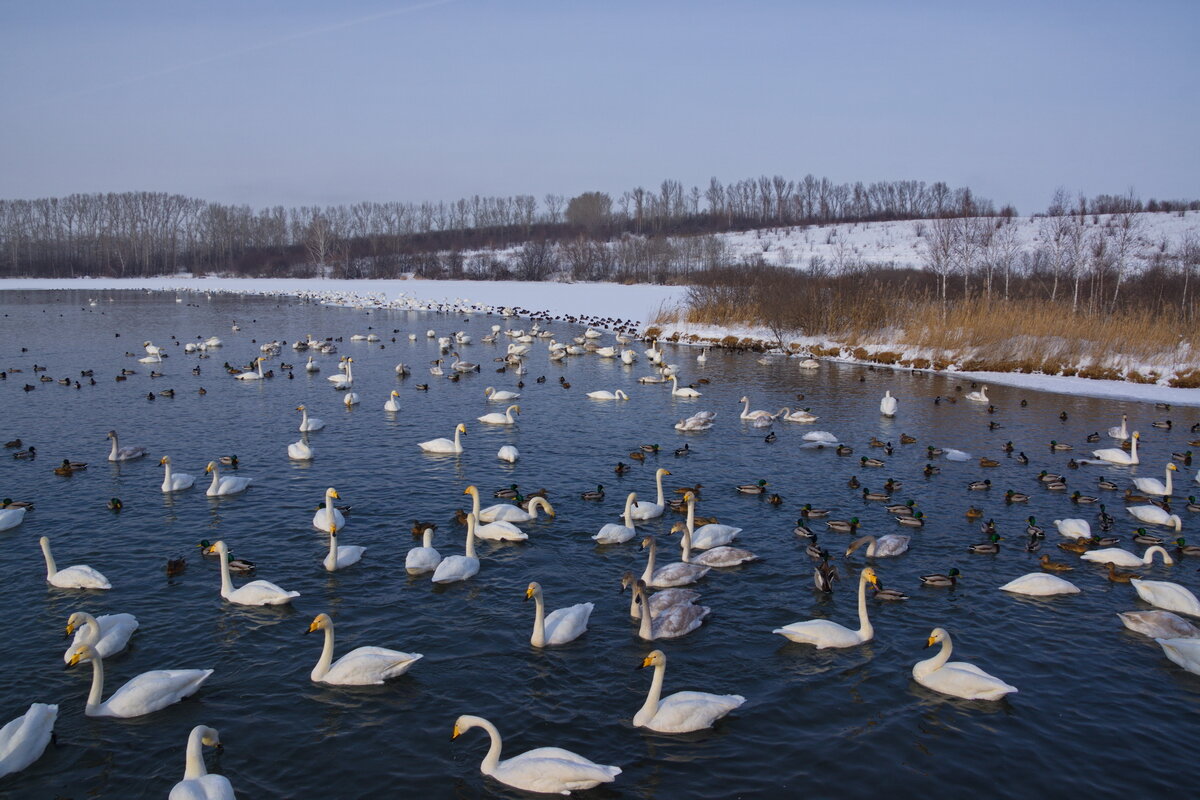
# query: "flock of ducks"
663,602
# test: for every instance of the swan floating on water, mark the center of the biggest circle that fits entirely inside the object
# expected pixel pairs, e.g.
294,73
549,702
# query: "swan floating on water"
682,712
362,666
198,783
957,678
615,533
77,577
142,694
172,481
825,633
1039,584
458,568
223,487
1167,595
329,518
604,394
1124,558
24,739
129,453
254,593
107,634
1115,455
445,446
424,558
559,626
307,423
644,510
888,405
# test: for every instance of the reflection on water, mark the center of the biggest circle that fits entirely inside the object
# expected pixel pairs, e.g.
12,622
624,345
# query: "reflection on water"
846,723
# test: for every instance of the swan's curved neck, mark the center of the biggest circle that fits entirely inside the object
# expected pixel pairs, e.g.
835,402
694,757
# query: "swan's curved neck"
539,620
427,538
470,548
658,480
865,631
1169,470
621,395
1148,557
939,661
629,501
691,517
475,505
51,567
457,444
649,573
93,700
89,632
492,759
112,454
216,481
326,659
650,707
226,582
194,765
686,544
868,540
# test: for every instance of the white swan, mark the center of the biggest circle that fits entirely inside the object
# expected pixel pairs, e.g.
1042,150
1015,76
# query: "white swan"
393,402
956,678
253,374
721,556
300,451
254,593
312,365
1115,455
1074,528
825,633
107,634
222,487
496,418
1153,515
24,739
681,712
979,396
508,453
77,577
344,380
507,512
329,518
362,666
445,445
1154,486
172,481
676,574
142,694
824,437
198,783
559,627
714,534
604,394
341,556
686,391
659,602
1124,558
748,414
546,770
1184,652
1171,596
671,622
424,558
798,416
1039,584
459,568
1122,432
350,399
644,510
11,517
891,544
307,423
500,396
1159,624
118,453
888,405
615,533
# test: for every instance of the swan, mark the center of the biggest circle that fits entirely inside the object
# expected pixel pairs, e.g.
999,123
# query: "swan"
118,453
341,374
686,391
614,533
107,634
1039,584
300,451
172,481
888,405
721,556
714,534
799,416
508,453
198,783
424,558
604,394
1184,652
748,414
24,739
252,375
142,694
956,678
892,544
1124,558
825,633
1154,486
312,366
669,622
562,625
350,399
459,568
345,379
644,510
1153,515
1121,432
1074,528
496,418
254,593
1159,624
824,437
676,574
546,770
77,577
11,517
362,666
1115,455
979,396
500,396
341,556
230,484
507,512
307,423
1171,596
682,712
393,402
445,445
329,518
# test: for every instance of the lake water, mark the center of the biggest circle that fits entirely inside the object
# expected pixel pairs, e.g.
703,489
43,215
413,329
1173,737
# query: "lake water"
1100,712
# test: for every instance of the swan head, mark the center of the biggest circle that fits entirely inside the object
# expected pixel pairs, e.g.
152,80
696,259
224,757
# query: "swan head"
626,581
463,724
937,635
210,738
647,542
461,429
869,576
80,653
471,490
77,620
1172,468
688,497
744,399
300,407
320,622
112,435
654,658
164,460
533,590
662,471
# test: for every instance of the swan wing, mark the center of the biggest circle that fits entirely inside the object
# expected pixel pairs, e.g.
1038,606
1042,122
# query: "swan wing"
455,568
504,512
206,787
369,665
115,630
80,577
893,544
1170,596
1122,558
1039,584
960,679
612,533
678,620
665,600
552,770
821,633
724,556
422,559
501,532
320,519
567,624
677,574
260,593
643,510
683,712
152,691
713,535
348,554
24,739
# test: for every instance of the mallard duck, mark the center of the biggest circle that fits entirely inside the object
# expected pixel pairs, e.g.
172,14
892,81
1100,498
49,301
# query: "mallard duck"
825,574
978,486
621,468
683,451
1053,566
991,546
931,451
813,513
229,461
775,500
1103,541
888,595
1056,486
803,530
906,439
905,509
29,453
1192,505
938,579
114,504
1141,536
853,482
988,527
891,485
974,512
8,502
1032,528
930,469
1072,464
753,488
1164,424
239,565
916,520
1183,458
1056,445
867,494
984,461
844,450
1008,446
1022,458
1049,477
843,526
864,461
1185,549
597,494
1076,546
1079,497
1015,497
649,448
511,491
1034,542
65,469
1105,483
1116,576
176,566
1106,519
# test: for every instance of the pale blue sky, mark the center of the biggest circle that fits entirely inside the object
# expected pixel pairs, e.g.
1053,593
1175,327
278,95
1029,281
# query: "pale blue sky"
298,102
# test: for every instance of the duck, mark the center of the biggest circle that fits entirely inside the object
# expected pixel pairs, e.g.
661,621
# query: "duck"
938,579
824,633
669,621
496,418
1078,497
843,450
907,439
1015,497
1159,624
129,453
1184,549
1155,487
1124,558
683,451
681,712
884,547
843,526
991,546
445,446
956,678
915,520
545,770
984,461
24,739
225,486
866,461
977,486
596,494
1022,458
867,494
1039,584
198,783
1116,455
1119,577
362,666
560,626
255,593
825,574
30,452
1141,536
1053,566
1106,484
1076,546
107,635
752,488
1163,424
75,577
114,504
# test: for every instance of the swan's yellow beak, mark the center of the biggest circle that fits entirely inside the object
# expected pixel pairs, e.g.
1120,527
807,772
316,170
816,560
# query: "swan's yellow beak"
688,497
313,626
333,493
456,732
70,629
469,489
209,468
932,641
74,659
646,662
870,576
528,592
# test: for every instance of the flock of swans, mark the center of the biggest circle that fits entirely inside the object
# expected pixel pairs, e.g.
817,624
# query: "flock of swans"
664,602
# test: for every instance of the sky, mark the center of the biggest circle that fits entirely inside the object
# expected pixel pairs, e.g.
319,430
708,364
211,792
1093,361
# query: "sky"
299,102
